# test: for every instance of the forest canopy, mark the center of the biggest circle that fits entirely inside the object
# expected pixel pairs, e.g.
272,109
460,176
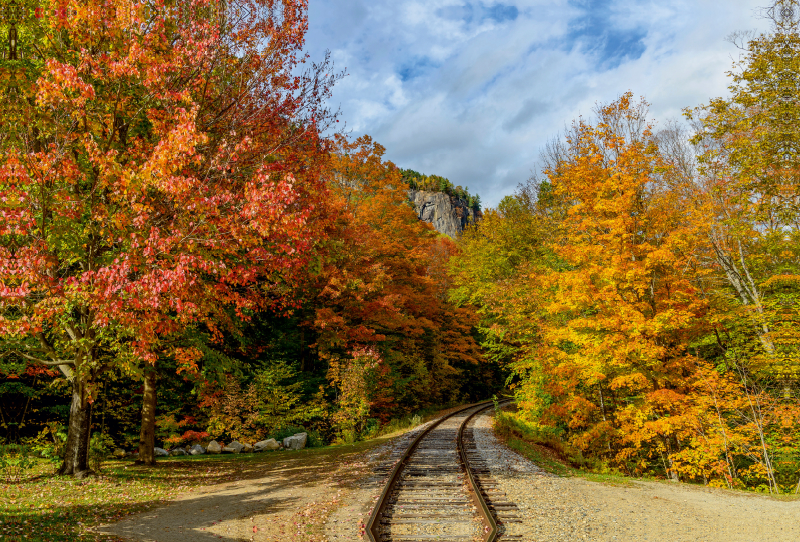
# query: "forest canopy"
191,250
644,287
186,253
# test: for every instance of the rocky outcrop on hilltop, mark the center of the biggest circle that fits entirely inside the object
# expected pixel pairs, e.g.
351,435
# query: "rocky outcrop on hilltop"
448,214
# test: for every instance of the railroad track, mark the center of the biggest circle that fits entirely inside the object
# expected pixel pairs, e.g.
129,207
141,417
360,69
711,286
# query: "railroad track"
440,489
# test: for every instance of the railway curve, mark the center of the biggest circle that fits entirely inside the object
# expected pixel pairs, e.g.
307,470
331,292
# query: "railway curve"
439,489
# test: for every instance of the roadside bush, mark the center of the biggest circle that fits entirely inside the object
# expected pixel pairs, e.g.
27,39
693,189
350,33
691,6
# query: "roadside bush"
280,434
100,446
315,439
399,424
372,428
348,436
49,443
273,399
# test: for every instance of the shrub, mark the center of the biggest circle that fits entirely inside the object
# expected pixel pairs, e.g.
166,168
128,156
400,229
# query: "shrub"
509,425
249,412
349,436
100,445
398,424
49,443
288,431
372,428
315,439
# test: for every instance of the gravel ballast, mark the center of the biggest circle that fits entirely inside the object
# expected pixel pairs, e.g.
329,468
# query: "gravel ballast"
332,498
564,509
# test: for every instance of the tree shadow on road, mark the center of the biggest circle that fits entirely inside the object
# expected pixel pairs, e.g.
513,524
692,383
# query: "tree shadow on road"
243,487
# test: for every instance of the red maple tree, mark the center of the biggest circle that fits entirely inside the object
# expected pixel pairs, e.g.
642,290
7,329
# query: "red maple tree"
165,177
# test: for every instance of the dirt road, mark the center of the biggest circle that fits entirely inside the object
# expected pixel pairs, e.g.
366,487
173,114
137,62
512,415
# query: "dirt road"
329,498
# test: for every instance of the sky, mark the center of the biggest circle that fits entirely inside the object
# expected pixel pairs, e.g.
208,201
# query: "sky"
473,90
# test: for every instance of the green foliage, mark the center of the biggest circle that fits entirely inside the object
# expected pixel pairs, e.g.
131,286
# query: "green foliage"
354,377
271,400
315,439
510,426
372,429
508,423
167,428
348,436
49,443
288,431
100,448
279,397
436,183
400,424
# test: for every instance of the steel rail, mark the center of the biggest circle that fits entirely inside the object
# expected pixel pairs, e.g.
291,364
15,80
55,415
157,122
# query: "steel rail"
383,500
474,488
380,505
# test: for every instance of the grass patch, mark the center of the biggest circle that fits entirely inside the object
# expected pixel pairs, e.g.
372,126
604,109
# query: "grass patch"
540,455
542,446
45,507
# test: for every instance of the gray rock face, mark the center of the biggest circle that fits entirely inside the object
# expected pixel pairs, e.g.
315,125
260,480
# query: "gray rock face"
214,447
296,441
448,215
266,445
160,452
197,450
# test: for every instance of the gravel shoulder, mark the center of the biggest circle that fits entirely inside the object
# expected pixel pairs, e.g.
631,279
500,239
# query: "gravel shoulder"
328,496
312,495
565,509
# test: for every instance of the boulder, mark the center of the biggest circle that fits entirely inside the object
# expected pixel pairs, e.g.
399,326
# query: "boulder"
178,451
269,445
214,447
197,450
160,452
296,441
120,453
247,448
236,446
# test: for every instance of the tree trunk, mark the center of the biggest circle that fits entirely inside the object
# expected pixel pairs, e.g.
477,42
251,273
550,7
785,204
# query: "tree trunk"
76,452
147,435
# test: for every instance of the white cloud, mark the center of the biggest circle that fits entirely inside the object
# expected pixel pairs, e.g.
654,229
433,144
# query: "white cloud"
467,91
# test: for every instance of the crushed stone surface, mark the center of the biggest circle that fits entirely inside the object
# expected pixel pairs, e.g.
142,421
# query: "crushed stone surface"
334,505
556,509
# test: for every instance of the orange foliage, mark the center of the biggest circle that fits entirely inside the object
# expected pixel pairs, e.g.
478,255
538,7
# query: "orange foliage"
596,294
383,283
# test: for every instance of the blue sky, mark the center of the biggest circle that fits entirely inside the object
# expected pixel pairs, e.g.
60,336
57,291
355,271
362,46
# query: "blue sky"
472,90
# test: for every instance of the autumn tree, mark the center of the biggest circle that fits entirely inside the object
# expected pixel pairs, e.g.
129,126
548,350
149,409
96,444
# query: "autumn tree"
164,177
381,288
591,287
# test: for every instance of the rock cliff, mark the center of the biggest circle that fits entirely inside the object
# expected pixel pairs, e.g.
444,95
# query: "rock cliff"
448,214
